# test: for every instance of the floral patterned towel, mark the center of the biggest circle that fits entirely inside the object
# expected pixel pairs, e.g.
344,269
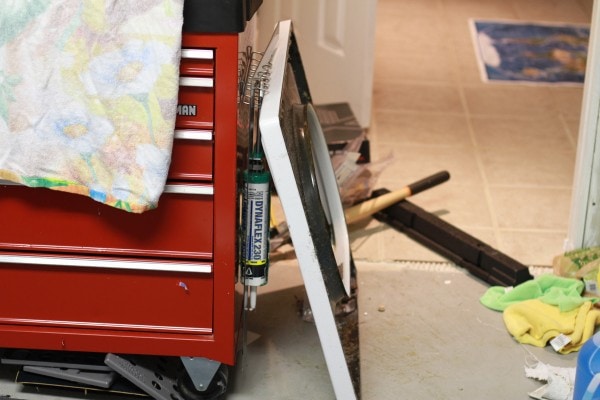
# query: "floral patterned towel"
88,96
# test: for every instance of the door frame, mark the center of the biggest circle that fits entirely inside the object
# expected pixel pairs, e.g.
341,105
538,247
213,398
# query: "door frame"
584,223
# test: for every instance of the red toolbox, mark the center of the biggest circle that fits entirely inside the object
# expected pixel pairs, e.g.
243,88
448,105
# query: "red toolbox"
76,275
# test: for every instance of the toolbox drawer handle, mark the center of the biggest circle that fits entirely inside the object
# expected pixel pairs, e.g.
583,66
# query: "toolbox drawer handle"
196,82
197,54
107,263
193,134
175,189
189,189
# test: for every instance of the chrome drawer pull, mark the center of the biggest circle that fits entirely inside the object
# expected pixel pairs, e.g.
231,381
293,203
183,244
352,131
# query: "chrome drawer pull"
9,183
189,189
176,189
193,134
197,54
113,264
196,82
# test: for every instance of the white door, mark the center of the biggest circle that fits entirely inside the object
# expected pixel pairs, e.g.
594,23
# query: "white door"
336,40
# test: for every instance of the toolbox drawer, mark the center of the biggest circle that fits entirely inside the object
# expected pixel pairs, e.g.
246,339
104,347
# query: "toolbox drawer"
48,220
108,299
197,62
195,107
192,157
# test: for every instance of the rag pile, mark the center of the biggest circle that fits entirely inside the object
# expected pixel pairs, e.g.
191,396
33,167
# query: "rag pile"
539,310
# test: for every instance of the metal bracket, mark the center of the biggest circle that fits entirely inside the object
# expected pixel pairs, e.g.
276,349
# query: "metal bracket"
55,359
201,371
146,377
100,379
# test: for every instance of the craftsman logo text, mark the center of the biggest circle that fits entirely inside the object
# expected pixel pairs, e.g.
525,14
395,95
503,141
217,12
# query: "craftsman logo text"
187,110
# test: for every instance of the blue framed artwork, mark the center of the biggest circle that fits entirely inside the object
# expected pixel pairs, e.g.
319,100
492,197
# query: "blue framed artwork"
531,52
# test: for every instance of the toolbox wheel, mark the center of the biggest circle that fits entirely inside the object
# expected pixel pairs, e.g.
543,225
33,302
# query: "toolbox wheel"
216,390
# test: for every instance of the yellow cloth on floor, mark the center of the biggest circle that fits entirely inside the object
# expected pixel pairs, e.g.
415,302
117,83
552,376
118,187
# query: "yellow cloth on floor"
536,323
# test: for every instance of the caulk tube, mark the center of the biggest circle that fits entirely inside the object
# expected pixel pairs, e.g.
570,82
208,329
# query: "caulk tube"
256,218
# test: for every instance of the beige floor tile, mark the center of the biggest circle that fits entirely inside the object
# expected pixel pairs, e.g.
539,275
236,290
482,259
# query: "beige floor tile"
567,100
572,126
586,6
551,11
415,66
524,167
509,100
401,34
547,133
460,33
400,128
470,73
465,50
531,208
460,205
417,97
532,248
364,239
458,11
389,9
411,163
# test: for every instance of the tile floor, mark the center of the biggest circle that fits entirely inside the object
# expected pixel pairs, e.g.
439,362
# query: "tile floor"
510,150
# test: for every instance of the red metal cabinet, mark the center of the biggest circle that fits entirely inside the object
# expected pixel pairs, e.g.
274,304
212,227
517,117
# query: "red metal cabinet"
77,275
45,220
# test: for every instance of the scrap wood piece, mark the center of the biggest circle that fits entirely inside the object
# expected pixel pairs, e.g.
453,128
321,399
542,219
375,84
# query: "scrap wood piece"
480,259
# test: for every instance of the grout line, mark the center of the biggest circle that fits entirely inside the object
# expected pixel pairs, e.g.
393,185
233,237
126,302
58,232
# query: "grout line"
480,166
567,132
531,186
412,265
434,266
533,230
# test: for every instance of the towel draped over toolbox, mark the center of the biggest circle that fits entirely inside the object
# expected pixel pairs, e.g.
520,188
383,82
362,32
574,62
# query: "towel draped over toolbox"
88,96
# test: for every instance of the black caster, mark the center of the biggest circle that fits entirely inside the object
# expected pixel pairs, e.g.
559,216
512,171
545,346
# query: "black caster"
215,391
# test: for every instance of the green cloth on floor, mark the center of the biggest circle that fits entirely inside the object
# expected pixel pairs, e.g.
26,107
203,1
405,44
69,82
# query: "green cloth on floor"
565,293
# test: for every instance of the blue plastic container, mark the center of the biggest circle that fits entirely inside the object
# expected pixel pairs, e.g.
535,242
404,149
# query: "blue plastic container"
587,374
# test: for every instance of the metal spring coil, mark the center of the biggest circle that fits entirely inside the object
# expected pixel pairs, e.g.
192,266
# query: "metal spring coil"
253,84
260,84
